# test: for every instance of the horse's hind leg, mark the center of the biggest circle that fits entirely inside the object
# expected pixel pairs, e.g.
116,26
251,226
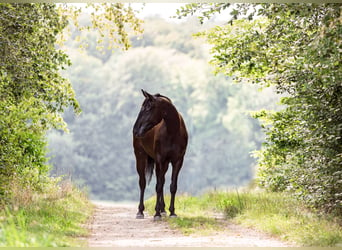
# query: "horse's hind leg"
176,167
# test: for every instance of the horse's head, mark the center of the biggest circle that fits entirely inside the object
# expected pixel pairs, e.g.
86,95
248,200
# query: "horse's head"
151,113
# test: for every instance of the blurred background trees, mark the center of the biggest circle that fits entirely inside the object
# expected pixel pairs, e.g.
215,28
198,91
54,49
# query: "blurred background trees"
168,60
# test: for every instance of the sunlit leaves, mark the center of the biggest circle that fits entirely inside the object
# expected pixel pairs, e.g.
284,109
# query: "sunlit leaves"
112,21
236,52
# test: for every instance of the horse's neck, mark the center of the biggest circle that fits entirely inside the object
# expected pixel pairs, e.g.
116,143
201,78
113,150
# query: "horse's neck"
172,120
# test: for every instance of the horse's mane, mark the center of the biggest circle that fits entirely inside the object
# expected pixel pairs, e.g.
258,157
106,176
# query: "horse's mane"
159,95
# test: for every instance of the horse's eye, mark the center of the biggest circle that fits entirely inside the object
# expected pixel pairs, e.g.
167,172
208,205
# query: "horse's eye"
147,106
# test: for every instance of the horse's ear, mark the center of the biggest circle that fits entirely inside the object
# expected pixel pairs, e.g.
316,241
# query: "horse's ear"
144,92
147,95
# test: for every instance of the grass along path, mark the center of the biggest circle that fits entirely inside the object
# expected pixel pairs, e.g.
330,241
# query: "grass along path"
275,214
53,219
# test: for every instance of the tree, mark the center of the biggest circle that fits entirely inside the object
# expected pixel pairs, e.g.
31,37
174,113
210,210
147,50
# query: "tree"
296,48
33,93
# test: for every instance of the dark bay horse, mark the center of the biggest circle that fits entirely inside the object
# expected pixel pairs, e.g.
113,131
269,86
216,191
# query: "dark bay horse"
159,137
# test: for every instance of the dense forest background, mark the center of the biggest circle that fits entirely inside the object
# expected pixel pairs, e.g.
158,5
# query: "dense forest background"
166,59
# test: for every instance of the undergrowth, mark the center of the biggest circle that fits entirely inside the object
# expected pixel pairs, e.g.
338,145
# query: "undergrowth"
50,219
275,213
280,215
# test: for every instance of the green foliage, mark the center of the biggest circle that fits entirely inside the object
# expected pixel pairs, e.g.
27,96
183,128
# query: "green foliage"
51,219
206,10
32,92
296,48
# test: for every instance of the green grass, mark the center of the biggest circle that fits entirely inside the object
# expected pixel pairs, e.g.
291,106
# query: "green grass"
53,219
193,215
274,213
279,215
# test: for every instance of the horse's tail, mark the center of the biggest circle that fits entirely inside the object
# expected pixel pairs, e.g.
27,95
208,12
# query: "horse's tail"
149,169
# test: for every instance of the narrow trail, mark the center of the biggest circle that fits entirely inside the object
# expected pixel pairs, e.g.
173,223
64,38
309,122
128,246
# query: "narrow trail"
114,225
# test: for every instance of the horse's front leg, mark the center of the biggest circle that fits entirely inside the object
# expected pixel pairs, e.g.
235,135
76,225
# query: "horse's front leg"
160,205
176,167
141,163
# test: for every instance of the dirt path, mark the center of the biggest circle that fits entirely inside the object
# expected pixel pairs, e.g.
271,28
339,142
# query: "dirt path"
114,225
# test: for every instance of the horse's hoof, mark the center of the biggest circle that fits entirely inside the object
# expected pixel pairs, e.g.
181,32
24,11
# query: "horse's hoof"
157,218
173,215
163,214
140,216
